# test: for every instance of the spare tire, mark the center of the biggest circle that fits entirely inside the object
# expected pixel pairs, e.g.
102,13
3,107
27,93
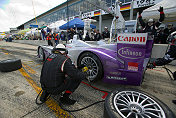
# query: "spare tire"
133,103
10,65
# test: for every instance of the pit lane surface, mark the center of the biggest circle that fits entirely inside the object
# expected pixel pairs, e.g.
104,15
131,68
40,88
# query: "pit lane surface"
19,89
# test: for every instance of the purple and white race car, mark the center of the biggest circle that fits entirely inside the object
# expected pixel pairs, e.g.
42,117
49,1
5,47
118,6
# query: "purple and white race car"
118,63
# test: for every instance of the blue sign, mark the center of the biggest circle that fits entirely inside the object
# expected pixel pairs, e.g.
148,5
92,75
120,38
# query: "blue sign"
35,26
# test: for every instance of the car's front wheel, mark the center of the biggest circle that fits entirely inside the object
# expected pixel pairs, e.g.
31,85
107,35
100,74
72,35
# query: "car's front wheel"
41,53
94,65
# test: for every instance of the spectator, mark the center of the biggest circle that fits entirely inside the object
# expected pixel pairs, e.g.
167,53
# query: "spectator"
62,36
87,38
43,34
106,33
98,36
48,30
71,33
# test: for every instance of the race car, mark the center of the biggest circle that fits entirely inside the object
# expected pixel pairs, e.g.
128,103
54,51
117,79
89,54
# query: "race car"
105,61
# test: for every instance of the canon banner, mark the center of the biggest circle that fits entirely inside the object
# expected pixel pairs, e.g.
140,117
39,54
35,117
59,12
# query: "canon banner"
132,38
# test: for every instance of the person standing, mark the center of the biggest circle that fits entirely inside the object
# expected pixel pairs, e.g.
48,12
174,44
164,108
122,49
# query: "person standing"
62,36
56,38
48,38
97,36
106,33
43,34
151,27
169,30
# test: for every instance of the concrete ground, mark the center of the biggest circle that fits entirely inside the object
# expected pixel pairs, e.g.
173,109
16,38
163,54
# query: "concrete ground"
18,89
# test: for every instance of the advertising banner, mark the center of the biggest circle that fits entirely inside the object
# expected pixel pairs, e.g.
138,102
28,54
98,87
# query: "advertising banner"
144,3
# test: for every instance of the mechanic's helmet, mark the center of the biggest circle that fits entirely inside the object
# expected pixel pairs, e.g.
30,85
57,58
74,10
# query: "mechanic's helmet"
60,48
172,38
150,20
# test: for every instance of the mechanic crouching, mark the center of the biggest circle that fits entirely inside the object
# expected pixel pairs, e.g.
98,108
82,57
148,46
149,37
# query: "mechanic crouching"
169,56
59,74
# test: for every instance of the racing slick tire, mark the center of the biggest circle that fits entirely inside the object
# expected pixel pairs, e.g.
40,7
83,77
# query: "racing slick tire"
10,65
41,53
94,65
133,103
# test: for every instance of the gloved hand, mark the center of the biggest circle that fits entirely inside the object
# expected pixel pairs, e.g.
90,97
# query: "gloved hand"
140,11
81,66
85,69
160,9
151,66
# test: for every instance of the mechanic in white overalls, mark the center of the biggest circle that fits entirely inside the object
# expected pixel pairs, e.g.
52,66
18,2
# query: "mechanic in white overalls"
59,74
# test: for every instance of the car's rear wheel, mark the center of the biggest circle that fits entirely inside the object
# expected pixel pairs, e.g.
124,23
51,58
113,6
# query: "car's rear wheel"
41,53
132,103
90,60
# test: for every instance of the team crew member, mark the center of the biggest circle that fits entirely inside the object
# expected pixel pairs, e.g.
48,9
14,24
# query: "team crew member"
49,37
169,56
56,38
151,26
59,74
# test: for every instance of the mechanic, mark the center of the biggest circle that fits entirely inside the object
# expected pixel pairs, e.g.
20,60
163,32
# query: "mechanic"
151,27
169,56
59,74
48,38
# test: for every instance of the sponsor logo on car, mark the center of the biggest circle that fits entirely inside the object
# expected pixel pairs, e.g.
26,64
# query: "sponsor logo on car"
130,53
133,66
115,73
116,78
132,38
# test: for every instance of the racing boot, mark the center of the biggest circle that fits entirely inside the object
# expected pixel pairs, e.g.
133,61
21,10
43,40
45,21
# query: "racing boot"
44,96
174,101
66,100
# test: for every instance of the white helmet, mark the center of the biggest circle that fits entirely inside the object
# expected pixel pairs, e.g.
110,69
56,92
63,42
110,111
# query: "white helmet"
150,20
61,48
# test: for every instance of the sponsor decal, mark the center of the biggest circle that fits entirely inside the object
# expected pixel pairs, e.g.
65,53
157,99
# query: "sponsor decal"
132,38
87,15
133,66
116,78
144,3
115,73
130,53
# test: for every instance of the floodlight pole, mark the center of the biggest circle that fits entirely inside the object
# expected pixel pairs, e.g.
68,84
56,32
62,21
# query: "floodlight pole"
131,10
67,21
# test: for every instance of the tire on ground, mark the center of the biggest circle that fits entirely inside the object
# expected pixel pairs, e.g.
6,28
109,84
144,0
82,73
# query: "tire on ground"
97,60
10,65
110,110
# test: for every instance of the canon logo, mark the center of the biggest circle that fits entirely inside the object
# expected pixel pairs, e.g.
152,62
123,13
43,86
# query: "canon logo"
132,39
